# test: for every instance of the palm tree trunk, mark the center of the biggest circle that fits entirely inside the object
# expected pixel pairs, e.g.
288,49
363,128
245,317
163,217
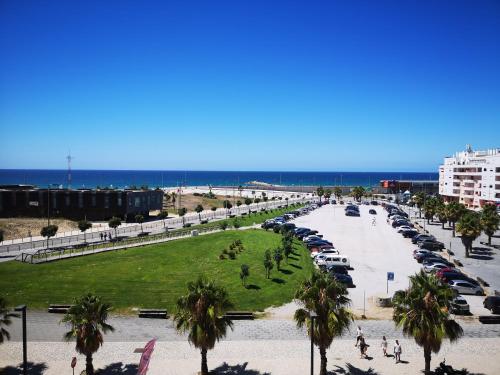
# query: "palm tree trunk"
427,357
453,228
204,366
89,367
322,353
489,240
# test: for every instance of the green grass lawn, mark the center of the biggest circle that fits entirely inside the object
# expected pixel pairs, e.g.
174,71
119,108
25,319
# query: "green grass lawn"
155,276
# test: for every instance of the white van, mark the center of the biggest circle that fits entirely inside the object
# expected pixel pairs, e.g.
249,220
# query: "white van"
334,260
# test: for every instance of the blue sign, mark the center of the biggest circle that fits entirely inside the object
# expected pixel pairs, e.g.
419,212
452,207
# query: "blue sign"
390,276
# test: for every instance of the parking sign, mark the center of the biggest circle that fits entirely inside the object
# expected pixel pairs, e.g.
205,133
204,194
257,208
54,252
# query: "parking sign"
390,276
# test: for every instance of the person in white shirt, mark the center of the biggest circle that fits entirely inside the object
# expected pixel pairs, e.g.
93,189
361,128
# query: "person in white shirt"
384,346
359,335
397,351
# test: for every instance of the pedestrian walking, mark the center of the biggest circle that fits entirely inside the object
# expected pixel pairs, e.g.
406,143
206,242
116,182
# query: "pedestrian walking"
101,235
105,236
397,351
363,347
383,345
374,222
359,335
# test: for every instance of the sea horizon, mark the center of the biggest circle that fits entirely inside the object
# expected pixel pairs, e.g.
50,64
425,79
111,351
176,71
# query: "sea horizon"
91,178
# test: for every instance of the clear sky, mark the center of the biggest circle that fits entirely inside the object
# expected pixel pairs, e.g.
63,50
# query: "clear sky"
247,85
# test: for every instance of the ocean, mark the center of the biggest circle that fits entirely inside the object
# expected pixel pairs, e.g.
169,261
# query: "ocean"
152,179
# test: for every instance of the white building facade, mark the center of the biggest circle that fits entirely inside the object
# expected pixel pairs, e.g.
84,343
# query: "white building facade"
471,177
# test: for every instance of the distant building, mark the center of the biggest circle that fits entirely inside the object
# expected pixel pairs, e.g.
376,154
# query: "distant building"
28,201
411,186
471,177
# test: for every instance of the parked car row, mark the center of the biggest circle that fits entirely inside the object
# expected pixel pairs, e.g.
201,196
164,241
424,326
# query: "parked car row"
283,220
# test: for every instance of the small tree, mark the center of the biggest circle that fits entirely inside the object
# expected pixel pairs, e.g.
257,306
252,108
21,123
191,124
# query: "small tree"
278,257
213,208
238,203
163,215
227,205
199,209
287,244
49,231
248,202
114,223
139,219
223,225
84,225
268,263
489,220
337,191
441,214
244,273
182,212
358,192
454,212
419,200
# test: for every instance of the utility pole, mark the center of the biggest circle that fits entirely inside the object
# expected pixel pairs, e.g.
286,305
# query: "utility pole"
69,158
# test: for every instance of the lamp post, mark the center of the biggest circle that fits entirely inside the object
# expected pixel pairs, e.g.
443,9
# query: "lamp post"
22,309
312,315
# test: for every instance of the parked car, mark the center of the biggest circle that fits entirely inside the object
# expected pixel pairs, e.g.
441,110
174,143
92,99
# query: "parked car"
374,203
372,211
420,257
325,253
403,228
352,213
343,279
338,269
268,224
445,275
492,303
464,287
459,305
318,243
334,260
410,233
421,237
399,223
437,259
312,237
431,245
433,267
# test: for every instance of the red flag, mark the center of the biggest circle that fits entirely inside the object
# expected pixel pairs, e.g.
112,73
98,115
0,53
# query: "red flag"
145,357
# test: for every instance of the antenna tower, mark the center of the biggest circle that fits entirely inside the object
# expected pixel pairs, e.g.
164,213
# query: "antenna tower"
69,158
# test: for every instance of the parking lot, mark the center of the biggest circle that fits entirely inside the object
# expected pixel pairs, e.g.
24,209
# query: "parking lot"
373,249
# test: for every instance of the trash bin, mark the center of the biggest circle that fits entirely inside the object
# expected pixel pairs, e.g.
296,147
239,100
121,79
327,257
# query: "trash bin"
194,233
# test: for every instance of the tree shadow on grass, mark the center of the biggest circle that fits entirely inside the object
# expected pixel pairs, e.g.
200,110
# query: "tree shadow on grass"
292,258
253,287
286,272
350,369
226,369
295,266
277,280
118,368
33,369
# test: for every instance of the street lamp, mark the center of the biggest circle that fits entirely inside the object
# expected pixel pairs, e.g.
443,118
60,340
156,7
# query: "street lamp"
312,315
22,309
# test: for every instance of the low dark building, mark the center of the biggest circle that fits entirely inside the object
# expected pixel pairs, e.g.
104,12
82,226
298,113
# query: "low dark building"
413,186
28,201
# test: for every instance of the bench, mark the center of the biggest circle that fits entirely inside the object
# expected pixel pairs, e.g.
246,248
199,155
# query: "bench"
489,319
59,309
153,313
239,315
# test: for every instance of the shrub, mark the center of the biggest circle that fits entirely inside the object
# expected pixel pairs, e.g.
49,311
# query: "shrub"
223,225
232,255
277,228
236,224
222,257
225,251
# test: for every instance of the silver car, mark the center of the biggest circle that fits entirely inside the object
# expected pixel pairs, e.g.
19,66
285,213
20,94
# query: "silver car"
464,287
459,305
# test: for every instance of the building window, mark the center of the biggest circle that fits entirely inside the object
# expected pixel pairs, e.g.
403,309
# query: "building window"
137,202
80,199
119,201
94,200
54,200
67,200
106,200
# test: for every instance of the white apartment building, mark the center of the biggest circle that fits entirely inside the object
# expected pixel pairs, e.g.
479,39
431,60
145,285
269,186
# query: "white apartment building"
471,177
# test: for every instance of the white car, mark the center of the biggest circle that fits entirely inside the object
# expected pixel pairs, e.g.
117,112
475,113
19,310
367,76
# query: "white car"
333,260
434,267
404,228
464,287
324,253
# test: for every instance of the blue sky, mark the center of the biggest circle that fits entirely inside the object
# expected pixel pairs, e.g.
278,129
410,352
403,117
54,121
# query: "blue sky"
247,85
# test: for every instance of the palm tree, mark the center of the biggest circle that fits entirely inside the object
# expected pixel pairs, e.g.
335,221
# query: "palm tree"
419,200
357,192
422,311
454,212
469,227
430,206
84,225
87,319
320,192
489,220
201,313
442,213
337,191
328,300
5,320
